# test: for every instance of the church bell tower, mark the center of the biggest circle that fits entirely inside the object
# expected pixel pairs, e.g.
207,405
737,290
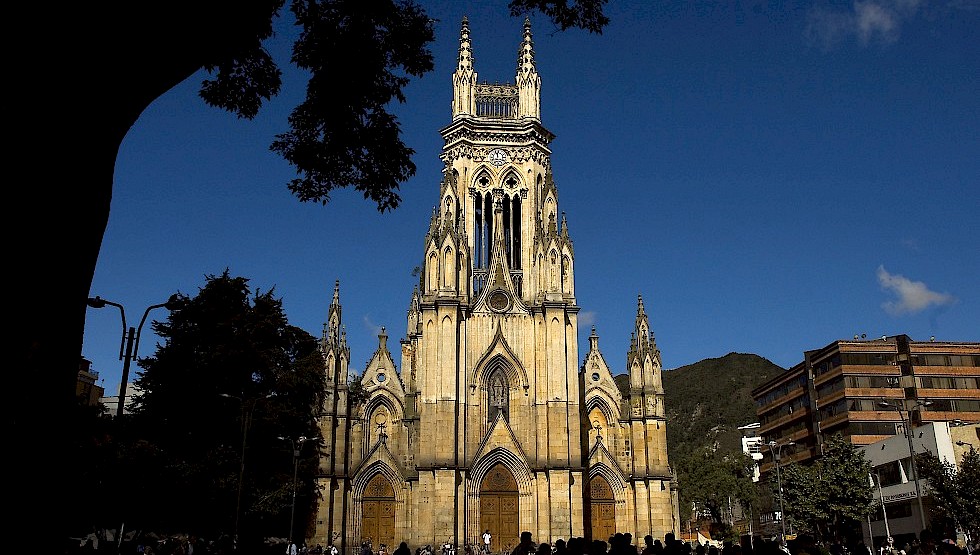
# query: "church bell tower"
491,352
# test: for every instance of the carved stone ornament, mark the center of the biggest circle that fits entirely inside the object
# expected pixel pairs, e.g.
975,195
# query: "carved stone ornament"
499,300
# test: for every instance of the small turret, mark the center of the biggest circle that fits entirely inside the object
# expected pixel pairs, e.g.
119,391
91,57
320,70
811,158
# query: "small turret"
528,81
331,329
464,79
333,342
643,359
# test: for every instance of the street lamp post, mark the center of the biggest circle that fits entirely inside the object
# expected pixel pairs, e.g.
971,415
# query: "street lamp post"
907,424
777,455
130,340
247,412
297,447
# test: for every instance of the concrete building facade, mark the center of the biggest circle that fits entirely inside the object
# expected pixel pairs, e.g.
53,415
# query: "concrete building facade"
867,389
490,421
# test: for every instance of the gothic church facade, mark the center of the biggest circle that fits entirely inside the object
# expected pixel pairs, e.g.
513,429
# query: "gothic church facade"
490,422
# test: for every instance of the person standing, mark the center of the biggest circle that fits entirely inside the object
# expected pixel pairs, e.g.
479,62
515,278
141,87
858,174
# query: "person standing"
526,547
291,547
486,541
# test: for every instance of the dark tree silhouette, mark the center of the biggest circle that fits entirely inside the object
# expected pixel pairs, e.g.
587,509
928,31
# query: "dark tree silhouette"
83,72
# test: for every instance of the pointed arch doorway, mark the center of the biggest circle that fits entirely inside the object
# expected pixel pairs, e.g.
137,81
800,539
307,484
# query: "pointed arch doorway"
499,504
602,506
378,514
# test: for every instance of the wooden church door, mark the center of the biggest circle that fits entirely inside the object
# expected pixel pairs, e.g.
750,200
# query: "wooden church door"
603,509
378,516
499,509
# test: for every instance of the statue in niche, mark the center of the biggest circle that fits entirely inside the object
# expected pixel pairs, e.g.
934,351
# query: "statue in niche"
498,396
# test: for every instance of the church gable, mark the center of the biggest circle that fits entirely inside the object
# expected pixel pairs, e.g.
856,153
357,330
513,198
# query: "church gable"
600,456
599,382
381,373
381,460
499,354
501,437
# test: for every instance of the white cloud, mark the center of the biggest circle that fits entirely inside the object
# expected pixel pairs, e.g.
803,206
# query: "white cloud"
913,296
375,329
868,21
586,318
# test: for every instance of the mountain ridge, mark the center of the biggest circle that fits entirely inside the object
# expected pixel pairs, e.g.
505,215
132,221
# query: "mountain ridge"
708,400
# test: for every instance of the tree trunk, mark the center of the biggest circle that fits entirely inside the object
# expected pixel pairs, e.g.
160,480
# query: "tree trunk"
80,82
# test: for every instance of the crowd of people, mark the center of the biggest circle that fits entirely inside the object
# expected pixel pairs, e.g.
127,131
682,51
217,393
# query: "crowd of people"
623,544
926,543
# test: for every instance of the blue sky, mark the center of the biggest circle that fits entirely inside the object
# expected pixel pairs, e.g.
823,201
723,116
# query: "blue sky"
769,176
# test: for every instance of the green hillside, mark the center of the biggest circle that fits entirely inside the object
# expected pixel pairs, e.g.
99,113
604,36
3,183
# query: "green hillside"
707,401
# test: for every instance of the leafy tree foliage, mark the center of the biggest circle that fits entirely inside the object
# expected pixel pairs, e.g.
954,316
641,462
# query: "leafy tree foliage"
714,481
831,496
955,492
231,379
96,67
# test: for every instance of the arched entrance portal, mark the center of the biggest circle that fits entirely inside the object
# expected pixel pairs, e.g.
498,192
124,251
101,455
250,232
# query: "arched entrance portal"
602,506
378,515
499,509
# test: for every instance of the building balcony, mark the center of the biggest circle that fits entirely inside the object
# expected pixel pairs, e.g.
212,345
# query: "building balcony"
783,420
948,393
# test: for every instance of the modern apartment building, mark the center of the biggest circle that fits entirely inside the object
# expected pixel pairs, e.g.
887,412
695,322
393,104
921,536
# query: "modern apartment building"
866,389
87,389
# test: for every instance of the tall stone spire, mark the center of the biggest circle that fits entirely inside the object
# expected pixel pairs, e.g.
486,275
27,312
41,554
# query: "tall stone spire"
464,79
642,322
333,344
331,332
643,359
528,81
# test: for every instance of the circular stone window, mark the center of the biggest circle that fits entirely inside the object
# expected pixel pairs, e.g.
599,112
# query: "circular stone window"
595,376
381,377
499,301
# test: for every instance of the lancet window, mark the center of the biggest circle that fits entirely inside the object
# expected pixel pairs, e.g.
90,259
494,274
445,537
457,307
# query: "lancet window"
483,224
